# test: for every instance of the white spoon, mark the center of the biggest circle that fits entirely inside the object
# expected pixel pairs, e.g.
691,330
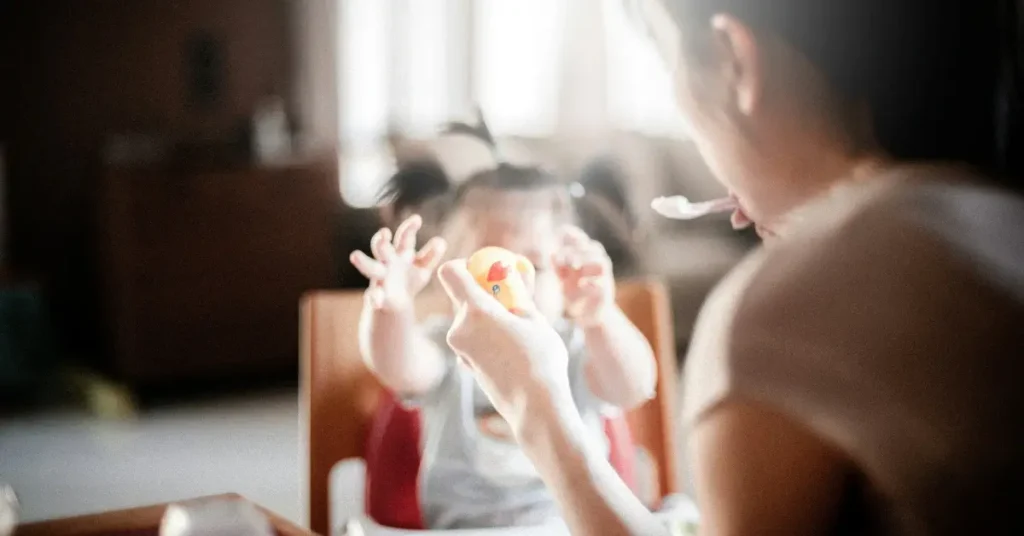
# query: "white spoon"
678,207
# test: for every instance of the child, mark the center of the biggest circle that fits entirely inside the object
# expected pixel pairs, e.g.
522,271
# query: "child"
473,475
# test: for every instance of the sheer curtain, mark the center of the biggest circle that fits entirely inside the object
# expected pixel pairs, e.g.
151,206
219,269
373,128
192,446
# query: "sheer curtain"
365,91
400,70
640,93
538,68
315,62
517,63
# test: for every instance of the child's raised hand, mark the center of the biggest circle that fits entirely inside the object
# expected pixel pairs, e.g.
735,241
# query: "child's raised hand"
397,273
586,273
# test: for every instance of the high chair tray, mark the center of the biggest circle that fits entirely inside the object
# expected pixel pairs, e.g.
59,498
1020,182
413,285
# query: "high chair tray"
366,527
680,524
347,484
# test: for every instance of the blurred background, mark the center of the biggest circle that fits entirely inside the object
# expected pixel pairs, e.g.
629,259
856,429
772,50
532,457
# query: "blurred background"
177,173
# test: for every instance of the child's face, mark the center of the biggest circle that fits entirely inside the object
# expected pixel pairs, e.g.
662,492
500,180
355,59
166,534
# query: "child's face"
528,228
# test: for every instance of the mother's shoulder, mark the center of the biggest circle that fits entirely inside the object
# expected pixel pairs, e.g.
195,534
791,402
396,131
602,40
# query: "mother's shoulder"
921,226
937,200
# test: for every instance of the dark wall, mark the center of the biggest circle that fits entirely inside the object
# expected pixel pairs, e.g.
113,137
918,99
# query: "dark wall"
80,70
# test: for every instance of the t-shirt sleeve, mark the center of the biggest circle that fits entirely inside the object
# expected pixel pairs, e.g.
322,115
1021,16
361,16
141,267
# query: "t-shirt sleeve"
830,330
436,330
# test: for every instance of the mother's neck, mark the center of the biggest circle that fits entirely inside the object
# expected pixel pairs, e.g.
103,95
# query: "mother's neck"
825,180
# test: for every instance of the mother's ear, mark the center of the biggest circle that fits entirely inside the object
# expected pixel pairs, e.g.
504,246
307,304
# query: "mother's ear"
741,57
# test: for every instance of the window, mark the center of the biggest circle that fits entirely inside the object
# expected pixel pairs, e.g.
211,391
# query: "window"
394,74
518,56
413,65
640,86
364,82
405,65
363,74
421,72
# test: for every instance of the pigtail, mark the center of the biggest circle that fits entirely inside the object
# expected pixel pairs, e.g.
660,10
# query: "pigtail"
601,205
505,176
480,132
413,186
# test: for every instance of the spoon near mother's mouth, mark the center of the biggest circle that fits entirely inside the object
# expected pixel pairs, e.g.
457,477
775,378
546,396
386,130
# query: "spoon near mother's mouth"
678,207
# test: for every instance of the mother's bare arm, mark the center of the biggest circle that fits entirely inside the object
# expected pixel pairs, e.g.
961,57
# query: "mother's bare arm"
758,472
592,497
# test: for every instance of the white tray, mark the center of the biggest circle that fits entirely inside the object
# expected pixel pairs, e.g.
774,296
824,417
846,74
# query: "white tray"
348,518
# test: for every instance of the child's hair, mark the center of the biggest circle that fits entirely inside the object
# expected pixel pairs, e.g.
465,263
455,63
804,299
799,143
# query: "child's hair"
412,184
425,188
426,184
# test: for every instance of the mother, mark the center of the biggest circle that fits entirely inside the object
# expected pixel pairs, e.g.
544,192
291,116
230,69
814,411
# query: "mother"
861,373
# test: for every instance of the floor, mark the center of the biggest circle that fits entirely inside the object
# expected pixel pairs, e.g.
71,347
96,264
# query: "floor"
64,463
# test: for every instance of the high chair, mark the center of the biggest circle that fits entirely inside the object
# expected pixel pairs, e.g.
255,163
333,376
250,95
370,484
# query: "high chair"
340,398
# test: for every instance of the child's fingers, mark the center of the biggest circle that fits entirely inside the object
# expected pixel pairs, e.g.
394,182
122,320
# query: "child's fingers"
582,264
591,269
594,247
573,236
559,260
405,236
367,266
577,245
431,254
381,246
595,256
569,259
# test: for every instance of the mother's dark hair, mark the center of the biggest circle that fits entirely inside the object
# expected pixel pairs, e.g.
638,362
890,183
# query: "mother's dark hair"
939,76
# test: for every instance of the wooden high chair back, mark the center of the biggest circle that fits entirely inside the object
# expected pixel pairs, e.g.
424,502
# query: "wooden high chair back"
339,395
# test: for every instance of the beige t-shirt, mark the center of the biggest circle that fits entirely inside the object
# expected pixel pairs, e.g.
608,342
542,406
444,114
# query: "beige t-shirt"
890,322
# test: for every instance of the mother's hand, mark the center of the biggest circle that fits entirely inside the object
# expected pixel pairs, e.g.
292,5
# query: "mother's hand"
517,359
521,363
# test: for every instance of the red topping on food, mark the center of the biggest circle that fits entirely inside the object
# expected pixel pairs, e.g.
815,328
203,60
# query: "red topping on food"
498,272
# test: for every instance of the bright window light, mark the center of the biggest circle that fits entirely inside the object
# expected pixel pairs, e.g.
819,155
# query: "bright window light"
517,64
394,74
363,73
640,86
363,173
425,88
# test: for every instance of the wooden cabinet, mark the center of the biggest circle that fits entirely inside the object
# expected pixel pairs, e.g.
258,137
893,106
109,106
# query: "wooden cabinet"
203,271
